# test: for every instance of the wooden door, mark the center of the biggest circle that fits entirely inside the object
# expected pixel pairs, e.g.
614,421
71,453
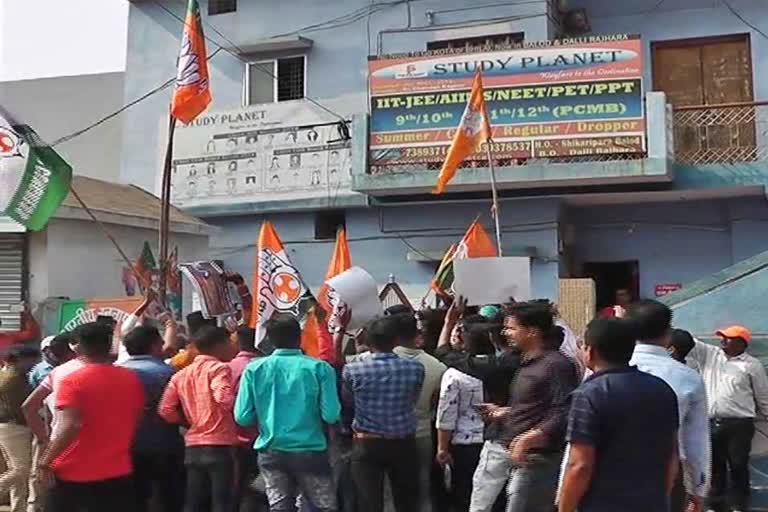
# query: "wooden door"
711,71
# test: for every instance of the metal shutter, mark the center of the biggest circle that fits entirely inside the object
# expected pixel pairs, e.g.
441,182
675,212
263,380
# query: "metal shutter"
11,280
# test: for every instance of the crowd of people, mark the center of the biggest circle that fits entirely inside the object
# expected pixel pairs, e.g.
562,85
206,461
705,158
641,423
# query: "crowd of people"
500,408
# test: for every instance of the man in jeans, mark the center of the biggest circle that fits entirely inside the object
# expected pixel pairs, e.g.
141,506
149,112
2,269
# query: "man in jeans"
15,436
98,409
158,450
200,397
385,389
525,456
291,397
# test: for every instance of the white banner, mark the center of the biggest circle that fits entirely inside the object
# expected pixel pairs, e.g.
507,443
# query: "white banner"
271,152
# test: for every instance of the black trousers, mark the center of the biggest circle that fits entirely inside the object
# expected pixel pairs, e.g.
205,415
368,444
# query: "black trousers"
211,481
159,479
731,444
396,458
115,495
465,459
246,499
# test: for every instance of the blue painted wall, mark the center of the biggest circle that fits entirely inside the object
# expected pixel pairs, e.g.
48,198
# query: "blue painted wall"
677,242
381,237
681,19
336,64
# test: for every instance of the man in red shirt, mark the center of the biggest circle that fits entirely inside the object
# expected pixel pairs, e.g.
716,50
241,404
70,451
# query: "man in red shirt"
201,397
98,409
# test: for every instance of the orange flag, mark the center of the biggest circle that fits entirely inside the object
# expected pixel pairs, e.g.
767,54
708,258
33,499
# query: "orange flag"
472,131
476,243
340,262
279,288
192,93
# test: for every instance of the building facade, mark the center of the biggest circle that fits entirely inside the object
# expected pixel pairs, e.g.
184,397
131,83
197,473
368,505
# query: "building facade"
683,203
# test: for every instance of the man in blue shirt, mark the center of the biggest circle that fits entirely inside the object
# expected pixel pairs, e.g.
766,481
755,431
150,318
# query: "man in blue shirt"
385,389
158,449
291,397
622,430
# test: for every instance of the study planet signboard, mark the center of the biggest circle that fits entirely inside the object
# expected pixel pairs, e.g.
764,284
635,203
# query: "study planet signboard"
568,97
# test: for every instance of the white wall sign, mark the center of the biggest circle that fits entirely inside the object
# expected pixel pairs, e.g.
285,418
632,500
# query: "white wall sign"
270,152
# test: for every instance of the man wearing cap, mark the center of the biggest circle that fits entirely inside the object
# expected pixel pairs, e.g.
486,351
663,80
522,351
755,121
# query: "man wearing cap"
737,391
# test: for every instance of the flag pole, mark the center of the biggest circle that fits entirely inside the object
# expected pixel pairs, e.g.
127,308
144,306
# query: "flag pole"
494,195
165,211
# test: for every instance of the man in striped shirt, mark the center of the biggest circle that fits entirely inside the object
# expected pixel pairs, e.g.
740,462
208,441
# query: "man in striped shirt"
201,397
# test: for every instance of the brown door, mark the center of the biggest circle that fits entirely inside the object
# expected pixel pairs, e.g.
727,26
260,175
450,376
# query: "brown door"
711,71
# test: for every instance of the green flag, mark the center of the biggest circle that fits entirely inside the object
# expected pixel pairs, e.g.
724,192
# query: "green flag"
34,179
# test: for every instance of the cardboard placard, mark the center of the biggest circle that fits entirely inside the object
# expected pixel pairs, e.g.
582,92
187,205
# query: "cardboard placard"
492,280
356,289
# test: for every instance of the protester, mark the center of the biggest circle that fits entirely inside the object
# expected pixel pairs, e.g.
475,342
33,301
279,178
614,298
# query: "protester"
408,341
617,459
29,332
15,436
737,392
526,454
246,456
56,351
384,389
623,298
98,410
680,345
460,426
158,450
290,397
496,371
45,394
200,397
652,320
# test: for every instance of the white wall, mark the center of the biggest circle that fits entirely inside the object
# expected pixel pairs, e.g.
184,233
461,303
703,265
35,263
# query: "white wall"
78,261
56,107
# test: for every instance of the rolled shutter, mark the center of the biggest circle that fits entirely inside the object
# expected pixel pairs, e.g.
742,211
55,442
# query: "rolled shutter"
11,280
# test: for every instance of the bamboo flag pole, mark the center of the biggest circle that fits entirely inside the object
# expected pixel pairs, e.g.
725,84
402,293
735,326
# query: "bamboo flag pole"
165,211
496,212
109,236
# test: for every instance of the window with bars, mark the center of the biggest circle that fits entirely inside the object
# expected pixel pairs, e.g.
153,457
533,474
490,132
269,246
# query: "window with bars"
275,80
470,43
221,6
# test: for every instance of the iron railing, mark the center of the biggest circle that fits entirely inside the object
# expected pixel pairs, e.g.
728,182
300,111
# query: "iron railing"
726,133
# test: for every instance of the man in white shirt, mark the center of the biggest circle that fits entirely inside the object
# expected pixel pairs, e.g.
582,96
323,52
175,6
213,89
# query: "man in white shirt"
737,388
653,323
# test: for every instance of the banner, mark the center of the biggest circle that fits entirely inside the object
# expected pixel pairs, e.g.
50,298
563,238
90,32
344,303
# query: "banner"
73,313
265,153
545,99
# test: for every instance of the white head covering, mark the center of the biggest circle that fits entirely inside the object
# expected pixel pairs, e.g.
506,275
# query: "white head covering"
46,342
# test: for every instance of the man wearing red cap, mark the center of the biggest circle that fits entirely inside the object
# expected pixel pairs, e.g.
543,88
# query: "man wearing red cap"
737,391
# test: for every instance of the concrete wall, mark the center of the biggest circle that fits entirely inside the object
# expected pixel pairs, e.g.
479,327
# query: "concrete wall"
674,242
336,64
681,19
72,258
59,106
380,239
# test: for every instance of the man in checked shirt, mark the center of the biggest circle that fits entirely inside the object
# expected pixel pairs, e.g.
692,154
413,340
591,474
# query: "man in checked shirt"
384,389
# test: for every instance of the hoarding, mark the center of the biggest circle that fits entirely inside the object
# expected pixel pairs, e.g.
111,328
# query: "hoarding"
263,153
546,99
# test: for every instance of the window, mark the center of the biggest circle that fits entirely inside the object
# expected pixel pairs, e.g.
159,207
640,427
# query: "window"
328,223
275,80
470,43
221,6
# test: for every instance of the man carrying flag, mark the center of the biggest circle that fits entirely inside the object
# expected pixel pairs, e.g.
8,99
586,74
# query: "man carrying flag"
472,131
279,288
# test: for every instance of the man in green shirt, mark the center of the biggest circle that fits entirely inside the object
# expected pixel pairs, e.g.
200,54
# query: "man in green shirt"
291,397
